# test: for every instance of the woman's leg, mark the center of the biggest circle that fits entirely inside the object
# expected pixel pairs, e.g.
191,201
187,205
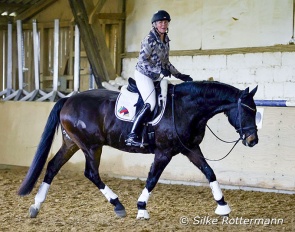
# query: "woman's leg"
146,88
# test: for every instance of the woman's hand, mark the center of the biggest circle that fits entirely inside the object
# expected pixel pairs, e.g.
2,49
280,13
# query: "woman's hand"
166,73
184,77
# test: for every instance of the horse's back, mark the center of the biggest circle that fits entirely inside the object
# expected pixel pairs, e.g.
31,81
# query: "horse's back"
92,98
86,105
89,118
96,94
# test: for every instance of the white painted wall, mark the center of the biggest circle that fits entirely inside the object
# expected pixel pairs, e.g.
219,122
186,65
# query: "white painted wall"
274,73
210,24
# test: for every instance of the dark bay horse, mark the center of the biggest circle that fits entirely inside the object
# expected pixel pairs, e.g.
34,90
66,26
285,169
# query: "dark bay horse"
88,123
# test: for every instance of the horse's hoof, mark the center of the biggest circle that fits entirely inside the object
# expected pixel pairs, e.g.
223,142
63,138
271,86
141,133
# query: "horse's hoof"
33,211
119,208
223,210
121,213
143,214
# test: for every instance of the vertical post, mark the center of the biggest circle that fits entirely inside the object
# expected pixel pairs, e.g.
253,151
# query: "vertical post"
36,55
9,58
36,46
20,54
4,64
77,60
55,54
52,95
91,79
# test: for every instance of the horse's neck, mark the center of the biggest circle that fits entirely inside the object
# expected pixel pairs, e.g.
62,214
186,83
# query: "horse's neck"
210,102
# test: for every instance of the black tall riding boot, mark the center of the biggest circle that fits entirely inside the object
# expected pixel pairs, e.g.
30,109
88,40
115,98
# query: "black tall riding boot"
133,138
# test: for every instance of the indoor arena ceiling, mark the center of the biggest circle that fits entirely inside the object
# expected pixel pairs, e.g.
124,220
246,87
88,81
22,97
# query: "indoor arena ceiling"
11,10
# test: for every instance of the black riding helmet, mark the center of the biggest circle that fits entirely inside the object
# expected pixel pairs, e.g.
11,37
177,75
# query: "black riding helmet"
161,15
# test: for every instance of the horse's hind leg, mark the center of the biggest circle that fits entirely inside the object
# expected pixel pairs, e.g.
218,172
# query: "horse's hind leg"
91,172
198,160
66,151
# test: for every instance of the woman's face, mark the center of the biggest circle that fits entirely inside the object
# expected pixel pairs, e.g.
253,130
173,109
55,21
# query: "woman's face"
162,26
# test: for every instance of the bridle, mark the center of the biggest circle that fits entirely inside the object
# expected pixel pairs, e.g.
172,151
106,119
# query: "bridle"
239,130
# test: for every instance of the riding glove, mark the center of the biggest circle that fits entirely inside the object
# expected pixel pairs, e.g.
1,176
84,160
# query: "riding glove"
184,77
166,73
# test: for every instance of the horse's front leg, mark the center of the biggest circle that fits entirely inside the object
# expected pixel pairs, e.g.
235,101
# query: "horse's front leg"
197,158
157,167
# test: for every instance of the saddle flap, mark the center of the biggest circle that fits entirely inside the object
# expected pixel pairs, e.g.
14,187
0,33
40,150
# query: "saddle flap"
125,108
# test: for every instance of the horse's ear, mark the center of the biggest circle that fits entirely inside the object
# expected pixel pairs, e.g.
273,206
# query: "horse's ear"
245,92
252,93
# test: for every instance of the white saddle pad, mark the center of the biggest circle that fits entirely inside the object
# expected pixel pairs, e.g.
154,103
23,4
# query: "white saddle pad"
125,109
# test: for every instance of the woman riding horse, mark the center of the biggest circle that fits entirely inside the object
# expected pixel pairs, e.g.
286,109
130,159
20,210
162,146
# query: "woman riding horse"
88,123
153,60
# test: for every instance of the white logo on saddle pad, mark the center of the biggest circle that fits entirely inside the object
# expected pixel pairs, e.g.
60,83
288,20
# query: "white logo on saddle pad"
125,109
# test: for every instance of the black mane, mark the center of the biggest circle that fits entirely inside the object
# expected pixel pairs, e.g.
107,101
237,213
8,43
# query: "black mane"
209,90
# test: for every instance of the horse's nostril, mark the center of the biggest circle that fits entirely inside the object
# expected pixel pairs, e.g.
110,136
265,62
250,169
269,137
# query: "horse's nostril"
253,142
250,141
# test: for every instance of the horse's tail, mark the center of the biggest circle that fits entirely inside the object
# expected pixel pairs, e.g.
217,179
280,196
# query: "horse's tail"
43,149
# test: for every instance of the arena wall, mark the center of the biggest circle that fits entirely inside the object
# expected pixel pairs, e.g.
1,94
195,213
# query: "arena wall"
273,72
210,24
237,42
242,43
270,164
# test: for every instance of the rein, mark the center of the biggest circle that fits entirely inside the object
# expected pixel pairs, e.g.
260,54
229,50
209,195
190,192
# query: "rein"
240,130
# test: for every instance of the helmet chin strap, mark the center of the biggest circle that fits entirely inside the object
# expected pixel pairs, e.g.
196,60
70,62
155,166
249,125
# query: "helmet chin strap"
166,32
160,32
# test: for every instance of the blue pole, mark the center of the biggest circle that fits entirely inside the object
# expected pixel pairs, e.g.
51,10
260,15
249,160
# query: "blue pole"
274,103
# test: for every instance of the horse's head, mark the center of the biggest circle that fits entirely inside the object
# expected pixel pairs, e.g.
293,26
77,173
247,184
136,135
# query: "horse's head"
242,117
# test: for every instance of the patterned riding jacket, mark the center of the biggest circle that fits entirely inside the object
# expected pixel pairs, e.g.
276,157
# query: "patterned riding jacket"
154,56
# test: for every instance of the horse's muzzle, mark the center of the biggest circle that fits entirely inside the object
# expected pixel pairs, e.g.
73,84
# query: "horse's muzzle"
250,140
